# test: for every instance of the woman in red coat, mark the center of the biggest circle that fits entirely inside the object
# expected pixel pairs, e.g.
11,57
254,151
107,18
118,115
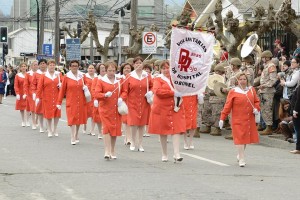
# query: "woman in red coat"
30,107
125,70
73,88
47,93
108,93
35,80
135,92
165,118
243,104
20,102
88,80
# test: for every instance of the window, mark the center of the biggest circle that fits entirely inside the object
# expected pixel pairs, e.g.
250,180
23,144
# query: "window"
146,11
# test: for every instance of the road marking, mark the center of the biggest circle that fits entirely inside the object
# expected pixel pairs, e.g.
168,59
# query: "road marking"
207,160
62,120
37,196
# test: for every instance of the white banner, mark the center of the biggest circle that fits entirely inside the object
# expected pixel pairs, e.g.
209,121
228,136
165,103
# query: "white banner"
191,59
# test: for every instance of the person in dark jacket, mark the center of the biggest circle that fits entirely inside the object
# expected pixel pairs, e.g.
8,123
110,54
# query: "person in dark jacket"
296,120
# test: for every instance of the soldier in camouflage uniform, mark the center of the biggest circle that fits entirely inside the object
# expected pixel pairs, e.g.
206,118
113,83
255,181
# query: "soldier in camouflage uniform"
217,103
231,72
266,91
248,68
206,111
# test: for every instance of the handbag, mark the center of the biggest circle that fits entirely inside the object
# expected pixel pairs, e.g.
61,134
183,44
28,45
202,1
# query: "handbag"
122,108
87,94
149,99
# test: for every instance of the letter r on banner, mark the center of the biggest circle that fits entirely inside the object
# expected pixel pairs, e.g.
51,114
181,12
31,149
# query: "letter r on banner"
184,60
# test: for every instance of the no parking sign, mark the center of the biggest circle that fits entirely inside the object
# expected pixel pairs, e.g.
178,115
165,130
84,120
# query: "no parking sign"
149,42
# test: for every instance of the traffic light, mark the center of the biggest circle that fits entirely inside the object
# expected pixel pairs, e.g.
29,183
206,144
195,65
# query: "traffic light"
5,49
3,34
61,34
78,30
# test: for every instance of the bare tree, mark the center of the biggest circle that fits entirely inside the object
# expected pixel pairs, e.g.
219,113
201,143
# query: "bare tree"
262,23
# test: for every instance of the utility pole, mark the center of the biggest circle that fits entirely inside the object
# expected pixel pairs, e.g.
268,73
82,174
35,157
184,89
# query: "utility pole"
91,39
42,27
57,38
120,41
133,18
37,26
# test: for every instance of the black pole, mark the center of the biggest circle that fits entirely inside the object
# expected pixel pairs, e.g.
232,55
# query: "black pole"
38,27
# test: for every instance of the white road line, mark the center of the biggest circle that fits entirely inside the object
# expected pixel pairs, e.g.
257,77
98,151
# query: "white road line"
207,160
37,196
62,120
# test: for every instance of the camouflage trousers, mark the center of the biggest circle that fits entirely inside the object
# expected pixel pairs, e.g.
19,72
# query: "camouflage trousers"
199,115
216,113
266,107
206,113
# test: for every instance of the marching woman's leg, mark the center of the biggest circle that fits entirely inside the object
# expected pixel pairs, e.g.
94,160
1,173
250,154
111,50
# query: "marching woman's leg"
241,154
192,133
163,142
50,130
41,121
107,146
73,133
176,143
22,112
76,134
84,128
134,130
33,118
56,119
27,115
99,125
93,127
113,140
128,134
186,144
141,131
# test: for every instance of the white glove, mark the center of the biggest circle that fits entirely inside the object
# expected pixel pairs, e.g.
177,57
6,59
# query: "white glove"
37,101
255,111
58,107
33,96
59,85
177,94
201,98
221,123
295,114
24,96
108,94
120,100
84,88
149,94
18,97
96,103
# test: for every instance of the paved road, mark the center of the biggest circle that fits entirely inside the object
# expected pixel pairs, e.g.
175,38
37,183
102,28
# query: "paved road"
35,167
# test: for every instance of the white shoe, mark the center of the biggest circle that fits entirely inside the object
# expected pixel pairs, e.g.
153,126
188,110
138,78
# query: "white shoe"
93,134
56,134
242,163
23,124
164,159
27,124
77,141
33,127
42,130
49,135
186,147
192,147
141,149
113,157
132,148
73,143
99,137
84,132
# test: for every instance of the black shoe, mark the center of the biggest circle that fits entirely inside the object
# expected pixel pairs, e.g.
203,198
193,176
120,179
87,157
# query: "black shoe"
291,140
178,159
106,157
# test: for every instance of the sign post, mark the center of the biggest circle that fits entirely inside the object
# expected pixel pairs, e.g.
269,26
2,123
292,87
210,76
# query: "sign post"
73,50
149,42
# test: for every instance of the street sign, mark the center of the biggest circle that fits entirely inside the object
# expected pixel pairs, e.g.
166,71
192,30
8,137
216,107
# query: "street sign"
47,57
149,42
73,51
47,49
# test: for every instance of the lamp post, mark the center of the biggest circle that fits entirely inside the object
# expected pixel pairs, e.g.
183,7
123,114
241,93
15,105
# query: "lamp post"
38,26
